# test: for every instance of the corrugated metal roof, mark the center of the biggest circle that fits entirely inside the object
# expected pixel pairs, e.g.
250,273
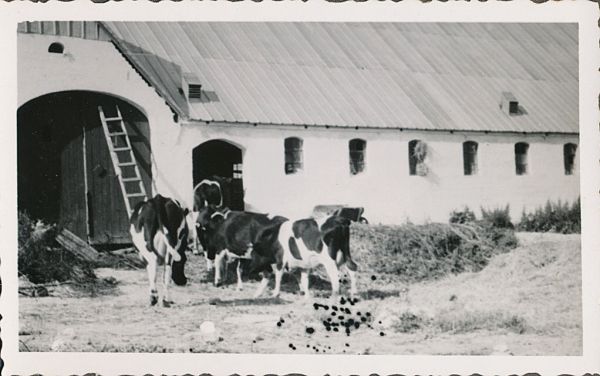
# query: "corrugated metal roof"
436,76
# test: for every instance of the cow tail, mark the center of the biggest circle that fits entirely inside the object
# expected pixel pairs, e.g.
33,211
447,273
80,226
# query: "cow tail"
136,213
162,217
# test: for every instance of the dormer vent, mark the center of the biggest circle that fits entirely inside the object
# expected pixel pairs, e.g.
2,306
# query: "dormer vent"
192,87
509,104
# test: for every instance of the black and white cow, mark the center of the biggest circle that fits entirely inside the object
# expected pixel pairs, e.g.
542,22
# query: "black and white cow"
159,231
304,244
233,235
209,192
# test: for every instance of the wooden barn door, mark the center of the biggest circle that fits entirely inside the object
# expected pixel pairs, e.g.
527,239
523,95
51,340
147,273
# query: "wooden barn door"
65,173
108,217
50,168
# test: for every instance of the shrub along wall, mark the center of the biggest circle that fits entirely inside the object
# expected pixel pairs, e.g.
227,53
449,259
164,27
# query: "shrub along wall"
559,217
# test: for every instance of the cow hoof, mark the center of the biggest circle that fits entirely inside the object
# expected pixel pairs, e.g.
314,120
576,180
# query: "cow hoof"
167,303
239,288
153,300
275,295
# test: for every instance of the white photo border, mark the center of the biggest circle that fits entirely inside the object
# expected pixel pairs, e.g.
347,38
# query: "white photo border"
585,13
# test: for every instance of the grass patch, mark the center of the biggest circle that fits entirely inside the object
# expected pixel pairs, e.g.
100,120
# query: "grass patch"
408,322
469,321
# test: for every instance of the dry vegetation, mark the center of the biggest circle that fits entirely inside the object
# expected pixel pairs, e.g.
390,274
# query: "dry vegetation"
435,289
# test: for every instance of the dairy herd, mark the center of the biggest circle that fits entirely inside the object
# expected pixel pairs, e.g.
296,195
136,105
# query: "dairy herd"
161,227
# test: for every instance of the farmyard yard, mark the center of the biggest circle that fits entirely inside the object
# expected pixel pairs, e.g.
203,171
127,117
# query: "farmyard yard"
524,302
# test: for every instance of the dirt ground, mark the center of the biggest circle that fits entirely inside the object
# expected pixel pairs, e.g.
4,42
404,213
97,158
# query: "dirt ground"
526,302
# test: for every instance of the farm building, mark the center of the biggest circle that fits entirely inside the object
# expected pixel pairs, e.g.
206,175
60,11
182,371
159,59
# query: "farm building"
408,120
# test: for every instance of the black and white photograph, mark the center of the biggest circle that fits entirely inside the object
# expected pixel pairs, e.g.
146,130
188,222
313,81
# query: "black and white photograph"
348,187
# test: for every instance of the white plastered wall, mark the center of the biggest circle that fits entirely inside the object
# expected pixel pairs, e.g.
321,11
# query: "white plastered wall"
385,189
96,66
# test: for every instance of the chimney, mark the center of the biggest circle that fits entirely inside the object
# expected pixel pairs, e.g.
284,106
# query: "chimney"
192,88
509,104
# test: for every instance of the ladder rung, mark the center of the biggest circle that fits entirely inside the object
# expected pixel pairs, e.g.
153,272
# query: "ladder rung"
124,148
114,134
140,194
131,179
123,164
117,118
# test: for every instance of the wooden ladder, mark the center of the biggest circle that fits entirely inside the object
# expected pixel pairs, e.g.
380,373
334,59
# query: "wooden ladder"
123,160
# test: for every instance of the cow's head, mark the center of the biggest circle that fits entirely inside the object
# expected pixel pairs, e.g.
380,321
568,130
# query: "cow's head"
208,222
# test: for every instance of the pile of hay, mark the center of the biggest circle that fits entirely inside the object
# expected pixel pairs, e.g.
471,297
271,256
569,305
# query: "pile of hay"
422,252
42,260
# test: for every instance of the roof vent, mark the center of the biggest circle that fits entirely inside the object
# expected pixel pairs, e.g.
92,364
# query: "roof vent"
192,87
509,104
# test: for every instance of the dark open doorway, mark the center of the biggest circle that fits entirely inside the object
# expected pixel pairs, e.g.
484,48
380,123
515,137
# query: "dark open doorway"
217,158
64,171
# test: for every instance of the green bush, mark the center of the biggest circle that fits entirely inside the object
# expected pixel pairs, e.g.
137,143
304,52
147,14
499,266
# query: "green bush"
421,252
497,217
462,216
558,217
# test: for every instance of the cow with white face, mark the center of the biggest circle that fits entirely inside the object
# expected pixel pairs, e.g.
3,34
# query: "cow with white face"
159,231
304,244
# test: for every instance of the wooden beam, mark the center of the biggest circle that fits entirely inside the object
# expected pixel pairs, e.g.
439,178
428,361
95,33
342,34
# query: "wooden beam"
78,247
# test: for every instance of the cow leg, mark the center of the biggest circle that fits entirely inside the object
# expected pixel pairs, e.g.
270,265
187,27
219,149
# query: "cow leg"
166,302
332,272
196,249
352,275
238,270
149,257
278,275
304,283
151,267
209,264
219,258
264,282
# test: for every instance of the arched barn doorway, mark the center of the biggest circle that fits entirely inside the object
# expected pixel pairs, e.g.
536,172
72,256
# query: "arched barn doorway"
65,173
222,159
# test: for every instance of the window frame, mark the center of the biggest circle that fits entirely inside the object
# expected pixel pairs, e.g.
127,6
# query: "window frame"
293,155
522,164
357,151
569,157
470,158
416,162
